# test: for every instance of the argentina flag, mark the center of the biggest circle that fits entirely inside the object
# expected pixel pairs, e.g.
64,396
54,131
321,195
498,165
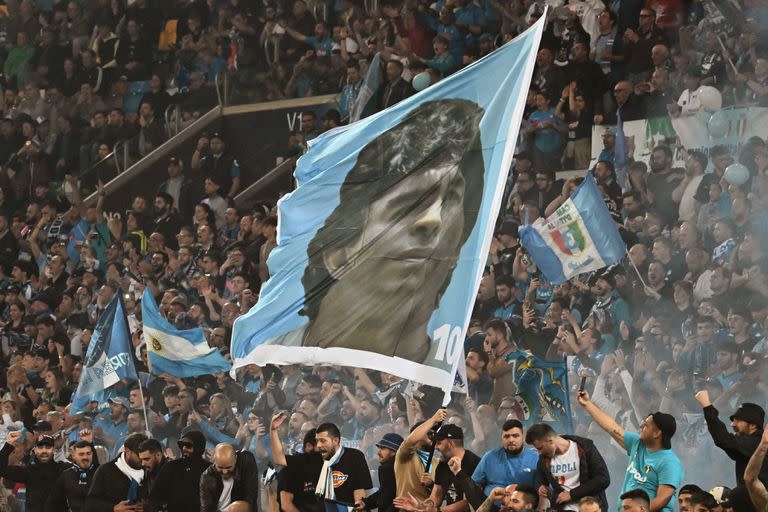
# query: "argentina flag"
578,237
382,245
177,352
108,359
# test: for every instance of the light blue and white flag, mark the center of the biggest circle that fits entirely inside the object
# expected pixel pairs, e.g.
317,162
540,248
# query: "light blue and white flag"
382,245
181,353
579,237
108,359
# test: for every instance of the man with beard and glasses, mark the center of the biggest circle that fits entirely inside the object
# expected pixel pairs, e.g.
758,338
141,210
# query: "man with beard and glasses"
231,483
511,463
167,220
405,210
72,486
177,486
118,485
39,476
342,474
747,423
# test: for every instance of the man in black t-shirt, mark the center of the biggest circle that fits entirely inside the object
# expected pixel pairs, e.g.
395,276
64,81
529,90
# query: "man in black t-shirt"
449,441
296,483
343,475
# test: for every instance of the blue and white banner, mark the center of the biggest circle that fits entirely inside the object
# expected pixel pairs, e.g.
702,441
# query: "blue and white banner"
181,353
108,359
579,237
382,246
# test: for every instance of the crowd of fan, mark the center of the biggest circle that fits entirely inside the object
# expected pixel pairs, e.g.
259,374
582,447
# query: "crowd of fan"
678,328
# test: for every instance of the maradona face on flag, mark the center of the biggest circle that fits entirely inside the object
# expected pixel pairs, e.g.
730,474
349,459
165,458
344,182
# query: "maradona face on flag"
382,245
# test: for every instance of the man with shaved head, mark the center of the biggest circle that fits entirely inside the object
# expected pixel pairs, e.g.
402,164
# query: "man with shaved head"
231,483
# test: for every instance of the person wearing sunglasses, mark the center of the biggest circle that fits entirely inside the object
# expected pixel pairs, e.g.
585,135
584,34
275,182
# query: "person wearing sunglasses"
177,487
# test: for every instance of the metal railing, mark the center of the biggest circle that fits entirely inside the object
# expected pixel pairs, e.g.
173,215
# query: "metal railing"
280,171
134,164
173,119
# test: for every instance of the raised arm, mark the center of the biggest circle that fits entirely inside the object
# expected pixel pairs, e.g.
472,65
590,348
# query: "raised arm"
278,451
606,422
757,492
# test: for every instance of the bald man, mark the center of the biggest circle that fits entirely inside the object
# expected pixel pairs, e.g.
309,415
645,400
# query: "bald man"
231,483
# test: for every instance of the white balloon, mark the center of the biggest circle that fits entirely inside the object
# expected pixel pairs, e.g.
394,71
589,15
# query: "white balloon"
710,98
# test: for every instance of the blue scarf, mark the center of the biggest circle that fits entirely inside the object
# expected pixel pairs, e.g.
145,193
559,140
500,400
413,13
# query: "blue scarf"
424,456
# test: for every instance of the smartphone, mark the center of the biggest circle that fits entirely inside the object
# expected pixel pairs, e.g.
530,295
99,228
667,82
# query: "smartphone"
582,384
23,433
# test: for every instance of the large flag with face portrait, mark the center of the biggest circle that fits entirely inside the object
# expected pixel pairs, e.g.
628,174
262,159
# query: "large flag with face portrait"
382,245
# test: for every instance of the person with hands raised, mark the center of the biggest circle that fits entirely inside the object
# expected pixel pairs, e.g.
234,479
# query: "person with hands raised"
746,422
412,456
756,487
39,476
71,487
653,466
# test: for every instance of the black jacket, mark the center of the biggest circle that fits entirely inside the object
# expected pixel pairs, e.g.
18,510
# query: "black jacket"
739,448
177,487
245,487
39,478
70,489
382,499
594,478
110,486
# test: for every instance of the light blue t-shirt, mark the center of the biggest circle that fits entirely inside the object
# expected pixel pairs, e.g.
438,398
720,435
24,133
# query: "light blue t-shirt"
498,468
647,470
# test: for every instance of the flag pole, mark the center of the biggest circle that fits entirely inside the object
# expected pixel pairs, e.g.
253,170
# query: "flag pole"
138,377
637,271
143,403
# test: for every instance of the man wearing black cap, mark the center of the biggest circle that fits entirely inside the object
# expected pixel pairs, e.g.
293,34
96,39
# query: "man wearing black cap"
449,441
177,487
383,498
653,466
40,476
747,424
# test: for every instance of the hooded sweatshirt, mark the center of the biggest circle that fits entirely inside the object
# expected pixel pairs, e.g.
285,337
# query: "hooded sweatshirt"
177,486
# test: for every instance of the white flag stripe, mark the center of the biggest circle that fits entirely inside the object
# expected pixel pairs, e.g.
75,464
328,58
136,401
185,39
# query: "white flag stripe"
174,347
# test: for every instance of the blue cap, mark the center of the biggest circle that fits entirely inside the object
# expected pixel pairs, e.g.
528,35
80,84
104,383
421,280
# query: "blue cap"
391,441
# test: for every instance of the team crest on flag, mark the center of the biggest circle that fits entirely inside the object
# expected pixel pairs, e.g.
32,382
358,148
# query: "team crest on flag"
569,238
579,237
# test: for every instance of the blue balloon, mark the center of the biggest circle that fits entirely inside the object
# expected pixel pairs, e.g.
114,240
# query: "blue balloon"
718,125
421,81
736,174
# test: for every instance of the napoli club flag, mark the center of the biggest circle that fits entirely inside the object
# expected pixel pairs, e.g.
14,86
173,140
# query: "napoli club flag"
579,237
383,243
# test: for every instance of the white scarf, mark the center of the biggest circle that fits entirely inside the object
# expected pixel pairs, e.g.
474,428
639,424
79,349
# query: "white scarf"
132,474
324,486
